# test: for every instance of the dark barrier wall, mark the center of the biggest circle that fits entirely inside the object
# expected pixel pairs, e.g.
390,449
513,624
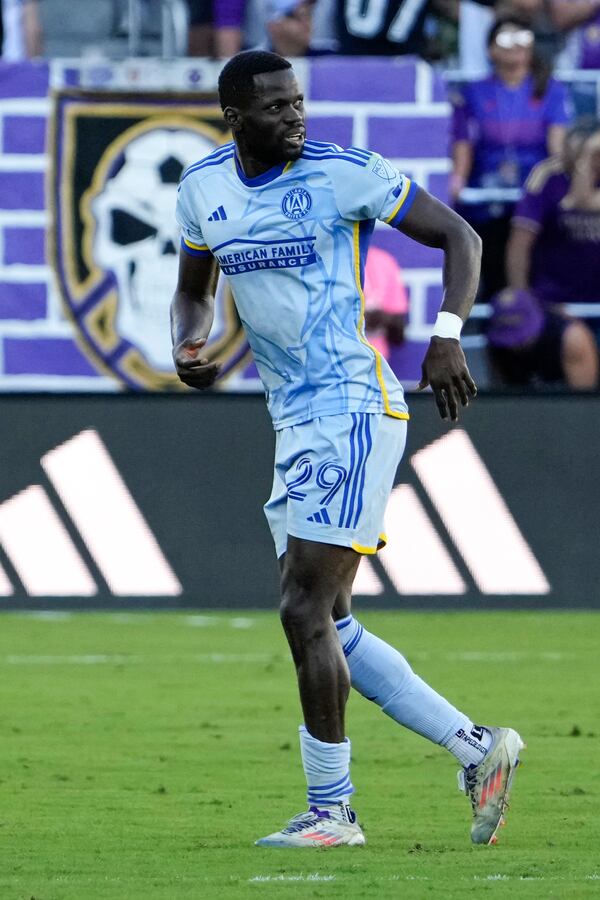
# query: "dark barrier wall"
156,501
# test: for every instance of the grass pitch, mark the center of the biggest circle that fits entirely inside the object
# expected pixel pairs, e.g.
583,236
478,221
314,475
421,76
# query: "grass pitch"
142,754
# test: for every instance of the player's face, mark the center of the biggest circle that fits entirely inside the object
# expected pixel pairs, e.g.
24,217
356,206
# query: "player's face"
272,127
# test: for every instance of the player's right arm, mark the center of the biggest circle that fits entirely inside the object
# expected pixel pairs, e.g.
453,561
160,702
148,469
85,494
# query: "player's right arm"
191,319
444,367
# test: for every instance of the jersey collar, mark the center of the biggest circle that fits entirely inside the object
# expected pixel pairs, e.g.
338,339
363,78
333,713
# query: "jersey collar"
259,180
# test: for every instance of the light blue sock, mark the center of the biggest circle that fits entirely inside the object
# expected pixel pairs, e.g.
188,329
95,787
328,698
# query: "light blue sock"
327,770
381,674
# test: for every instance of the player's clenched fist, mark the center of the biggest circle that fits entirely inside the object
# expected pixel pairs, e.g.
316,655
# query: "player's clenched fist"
192,368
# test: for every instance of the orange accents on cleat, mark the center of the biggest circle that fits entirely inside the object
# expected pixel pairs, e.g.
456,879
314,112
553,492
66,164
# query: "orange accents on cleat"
488,784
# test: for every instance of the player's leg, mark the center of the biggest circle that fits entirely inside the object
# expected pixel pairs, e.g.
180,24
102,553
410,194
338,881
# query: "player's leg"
488,756
310,582
312,573
383,675
317,493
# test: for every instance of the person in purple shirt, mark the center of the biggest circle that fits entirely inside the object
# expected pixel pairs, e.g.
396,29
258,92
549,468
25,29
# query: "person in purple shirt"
502,126
553,258
582,19
215,27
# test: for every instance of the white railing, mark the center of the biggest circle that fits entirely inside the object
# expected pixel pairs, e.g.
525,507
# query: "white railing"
173,27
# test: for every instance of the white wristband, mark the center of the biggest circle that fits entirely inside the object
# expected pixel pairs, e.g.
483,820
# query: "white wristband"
447,325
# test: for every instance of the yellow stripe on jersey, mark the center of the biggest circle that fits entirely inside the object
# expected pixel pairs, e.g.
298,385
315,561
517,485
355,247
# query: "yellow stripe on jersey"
403,196
195,246
361,319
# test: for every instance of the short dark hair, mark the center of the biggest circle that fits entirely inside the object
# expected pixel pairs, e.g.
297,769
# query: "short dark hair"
236,81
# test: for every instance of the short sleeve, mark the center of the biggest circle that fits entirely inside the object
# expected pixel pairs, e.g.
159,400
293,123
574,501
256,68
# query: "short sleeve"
372,188
192,239
558,105
459,127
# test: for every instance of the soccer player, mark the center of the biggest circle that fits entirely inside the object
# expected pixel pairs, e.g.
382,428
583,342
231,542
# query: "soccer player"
288,221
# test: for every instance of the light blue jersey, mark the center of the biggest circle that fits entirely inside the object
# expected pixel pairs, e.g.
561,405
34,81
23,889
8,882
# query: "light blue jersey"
293,243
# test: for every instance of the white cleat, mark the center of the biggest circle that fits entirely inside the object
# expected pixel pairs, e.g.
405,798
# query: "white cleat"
488,785
330,827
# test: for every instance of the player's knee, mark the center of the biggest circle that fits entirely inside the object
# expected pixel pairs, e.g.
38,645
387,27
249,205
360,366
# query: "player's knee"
299,614
305,606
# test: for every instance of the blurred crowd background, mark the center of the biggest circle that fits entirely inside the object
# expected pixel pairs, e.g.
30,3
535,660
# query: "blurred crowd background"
524,143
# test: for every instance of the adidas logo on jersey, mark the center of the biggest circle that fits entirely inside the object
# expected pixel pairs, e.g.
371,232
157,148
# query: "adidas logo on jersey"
219,215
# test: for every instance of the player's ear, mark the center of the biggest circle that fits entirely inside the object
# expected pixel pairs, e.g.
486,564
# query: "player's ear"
232,117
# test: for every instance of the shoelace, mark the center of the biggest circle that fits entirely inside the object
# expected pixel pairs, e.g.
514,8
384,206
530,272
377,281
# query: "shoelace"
304,820
470,782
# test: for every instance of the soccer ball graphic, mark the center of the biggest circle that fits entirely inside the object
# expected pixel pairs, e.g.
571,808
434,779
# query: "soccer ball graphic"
136,235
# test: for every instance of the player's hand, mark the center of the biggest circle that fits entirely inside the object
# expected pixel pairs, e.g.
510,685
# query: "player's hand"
192,368
445,370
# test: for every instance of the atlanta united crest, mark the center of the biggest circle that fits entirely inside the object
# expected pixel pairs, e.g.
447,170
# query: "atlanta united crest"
117,163
296,203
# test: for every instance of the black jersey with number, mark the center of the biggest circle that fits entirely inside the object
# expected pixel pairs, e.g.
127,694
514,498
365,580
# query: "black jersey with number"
374,27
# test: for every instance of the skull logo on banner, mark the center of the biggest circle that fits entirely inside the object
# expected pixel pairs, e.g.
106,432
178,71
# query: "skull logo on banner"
137,238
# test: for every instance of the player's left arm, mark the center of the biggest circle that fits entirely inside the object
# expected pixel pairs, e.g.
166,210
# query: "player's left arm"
444,367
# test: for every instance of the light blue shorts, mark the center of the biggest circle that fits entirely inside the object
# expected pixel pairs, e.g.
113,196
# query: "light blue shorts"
333,477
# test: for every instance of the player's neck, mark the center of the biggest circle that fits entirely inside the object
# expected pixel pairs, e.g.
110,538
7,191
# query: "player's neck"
250,165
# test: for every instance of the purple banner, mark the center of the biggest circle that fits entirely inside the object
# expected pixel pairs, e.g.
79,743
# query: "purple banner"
79,166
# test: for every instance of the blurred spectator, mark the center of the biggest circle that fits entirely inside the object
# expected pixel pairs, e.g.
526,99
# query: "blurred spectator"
323,31
550,20
21,30
540,17
290,27
386,301
215,27
502,126
582,19
441,31
383,27
528,345
554,253
582,49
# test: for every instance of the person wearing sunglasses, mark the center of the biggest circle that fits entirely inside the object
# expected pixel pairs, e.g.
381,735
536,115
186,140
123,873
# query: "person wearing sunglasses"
502,126
553,262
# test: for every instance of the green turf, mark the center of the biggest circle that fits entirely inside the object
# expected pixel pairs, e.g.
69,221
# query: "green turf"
141,755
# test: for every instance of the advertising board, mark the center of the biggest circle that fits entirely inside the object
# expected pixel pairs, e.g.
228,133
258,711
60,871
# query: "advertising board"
155,501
